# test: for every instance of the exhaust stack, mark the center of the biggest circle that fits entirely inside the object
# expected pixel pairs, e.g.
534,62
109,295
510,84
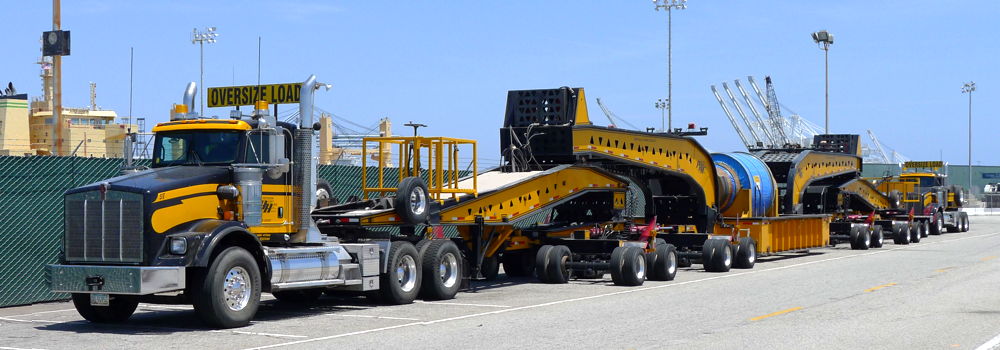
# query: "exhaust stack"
305,161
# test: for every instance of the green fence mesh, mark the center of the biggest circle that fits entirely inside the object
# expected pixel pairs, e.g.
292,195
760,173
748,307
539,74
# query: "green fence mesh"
31,208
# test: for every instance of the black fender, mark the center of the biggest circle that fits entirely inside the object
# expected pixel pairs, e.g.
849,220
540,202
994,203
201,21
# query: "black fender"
209,236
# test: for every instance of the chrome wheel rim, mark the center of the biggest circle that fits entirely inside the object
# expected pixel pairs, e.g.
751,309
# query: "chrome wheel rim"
728,254
418,201
236,288
868,240
406,273
752,255
671,263
321,195
448,270
640,263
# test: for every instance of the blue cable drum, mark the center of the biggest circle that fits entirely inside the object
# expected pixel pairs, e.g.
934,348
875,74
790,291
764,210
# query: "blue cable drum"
754,175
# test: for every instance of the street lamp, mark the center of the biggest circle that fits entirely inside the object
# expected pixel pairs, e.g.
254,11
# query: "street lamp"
669,5
661,104
200,38
969,88
824,40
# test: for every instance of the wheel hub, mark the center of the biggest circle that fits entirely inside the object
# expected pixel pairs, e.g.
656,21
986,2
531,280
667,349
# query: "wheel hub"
236,288
406,273
418,201
448,270
640,263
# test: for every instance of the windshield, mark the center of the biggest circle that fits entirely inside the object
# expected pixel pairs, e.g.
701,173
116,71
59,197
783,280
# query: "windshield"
195,148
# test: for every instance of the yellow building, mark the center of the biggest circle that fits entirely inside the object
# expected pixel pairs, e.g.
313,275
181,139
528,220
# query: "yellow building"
330,154
14,140
83,132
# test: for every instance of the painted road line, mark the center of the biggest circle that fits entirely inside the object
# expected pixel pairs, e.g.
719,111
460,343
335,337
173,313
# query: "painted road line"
261,334
944,269
992,344
458,304
872,289
988,258
782,312
627,291
40,312
10,348
379,317
27,321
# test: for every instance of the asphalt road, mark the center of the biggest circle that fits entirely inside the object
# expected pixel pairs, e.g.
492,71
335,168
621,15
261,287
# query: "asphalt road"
942,293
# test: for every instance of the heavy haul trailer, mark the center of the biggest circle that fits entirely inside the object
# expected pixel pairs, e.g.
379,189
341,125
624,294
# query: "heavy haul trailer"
826,179
223,215
925,195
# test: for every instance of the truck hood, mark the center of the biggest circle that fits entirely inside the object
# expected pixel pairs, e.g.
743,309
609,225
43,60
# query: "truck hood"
157,180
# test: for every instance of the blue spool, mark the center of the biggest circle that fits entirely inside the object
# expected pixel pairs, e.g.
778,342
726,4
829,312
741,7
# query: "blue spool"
754,175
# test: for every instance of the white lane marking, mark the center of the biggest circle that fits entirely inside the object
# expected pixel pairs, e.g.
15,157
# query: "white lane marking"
379,317
991,344
458,304
261,334
10,348
628,291
167,307
27,321
40,312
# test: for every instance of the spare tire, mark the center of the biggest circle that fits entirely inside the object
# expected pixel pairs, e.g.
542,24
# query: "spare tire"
412,201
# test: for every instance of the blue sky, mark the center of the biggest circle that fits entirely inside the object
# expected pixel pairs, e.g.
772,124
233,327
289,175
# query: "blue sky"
896,66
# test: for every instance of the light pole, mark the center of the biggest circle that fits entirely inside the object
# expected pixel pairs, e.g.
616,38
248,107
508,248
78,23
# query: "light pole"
969,88
200,38
661,104
824,40
669,5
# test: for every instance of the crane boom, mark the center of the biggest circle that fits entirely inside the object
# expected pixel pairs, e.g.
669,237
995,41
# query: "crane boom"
774,110
750,128
736,126
756,114
878,147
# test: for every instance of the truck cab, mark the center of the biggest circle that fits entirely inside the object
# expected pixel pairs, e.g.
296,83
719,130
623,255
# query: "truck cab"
923,191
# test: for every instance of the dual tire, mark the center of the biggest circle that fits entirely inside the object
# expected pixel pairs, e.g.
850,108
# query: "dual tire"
900,234
860,237
746,253
878,238
441,266
628,266
937,227
717,255
661,265
550,264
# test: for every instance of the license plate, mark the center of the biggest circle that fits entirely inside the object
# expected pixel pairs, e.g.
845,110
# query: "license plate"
100,300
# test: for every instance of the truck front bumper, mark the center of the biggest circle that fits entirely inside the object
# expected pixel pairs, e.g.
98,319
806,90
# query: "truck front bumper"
137,280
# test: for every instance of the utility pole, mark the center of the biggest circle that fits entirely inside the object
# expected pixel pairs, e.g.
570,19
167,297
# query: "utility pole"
824,40
200,38
661,104
56,84
969,88
669,5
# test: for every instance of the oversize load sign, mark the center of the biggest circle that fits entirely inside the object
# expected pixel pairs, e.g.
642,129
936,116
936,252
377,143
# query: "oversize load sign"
247,95
929,164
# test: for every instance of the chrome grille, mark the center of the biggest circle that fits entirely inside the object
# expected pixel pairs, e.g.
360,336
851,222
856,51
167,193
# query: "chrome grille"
108,230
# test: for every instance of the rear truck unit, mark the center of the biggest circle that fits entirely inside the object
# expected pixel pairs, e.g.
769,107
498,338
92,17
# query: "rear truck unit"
925,195
222,215
826,179
633,204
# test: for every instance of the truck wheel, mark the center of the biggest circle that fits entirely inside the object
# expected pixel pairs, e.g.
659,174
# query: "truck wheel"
717,255
401,282
491,267
877,238
915,228
298,295
860,238
925,228
412,201
965,222
938,225
628,266
900,234
119,308
442,270
517,263
324,194
229,293
556,271
664,266
542,263
746,253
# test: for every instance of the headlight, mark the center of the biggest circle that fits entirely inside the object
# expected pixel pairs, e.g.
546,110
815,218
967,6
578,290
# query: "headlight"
178,245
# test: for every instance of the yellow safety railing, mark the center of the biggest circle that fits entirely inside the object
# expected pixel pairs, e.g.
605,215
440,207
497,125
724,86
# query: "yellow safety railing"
438,156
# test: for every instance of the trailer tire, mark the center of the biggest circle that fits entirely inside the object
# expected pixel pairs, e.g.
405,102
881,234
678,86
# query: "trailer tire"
298,296
119,309
542,263
221,298
324,194
491,267
915,229
938,227
925,228
717,255
442,270
900,234
517,263
860,237
412,200
664,265
558,257
401,283
628,266
878,239
746,253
